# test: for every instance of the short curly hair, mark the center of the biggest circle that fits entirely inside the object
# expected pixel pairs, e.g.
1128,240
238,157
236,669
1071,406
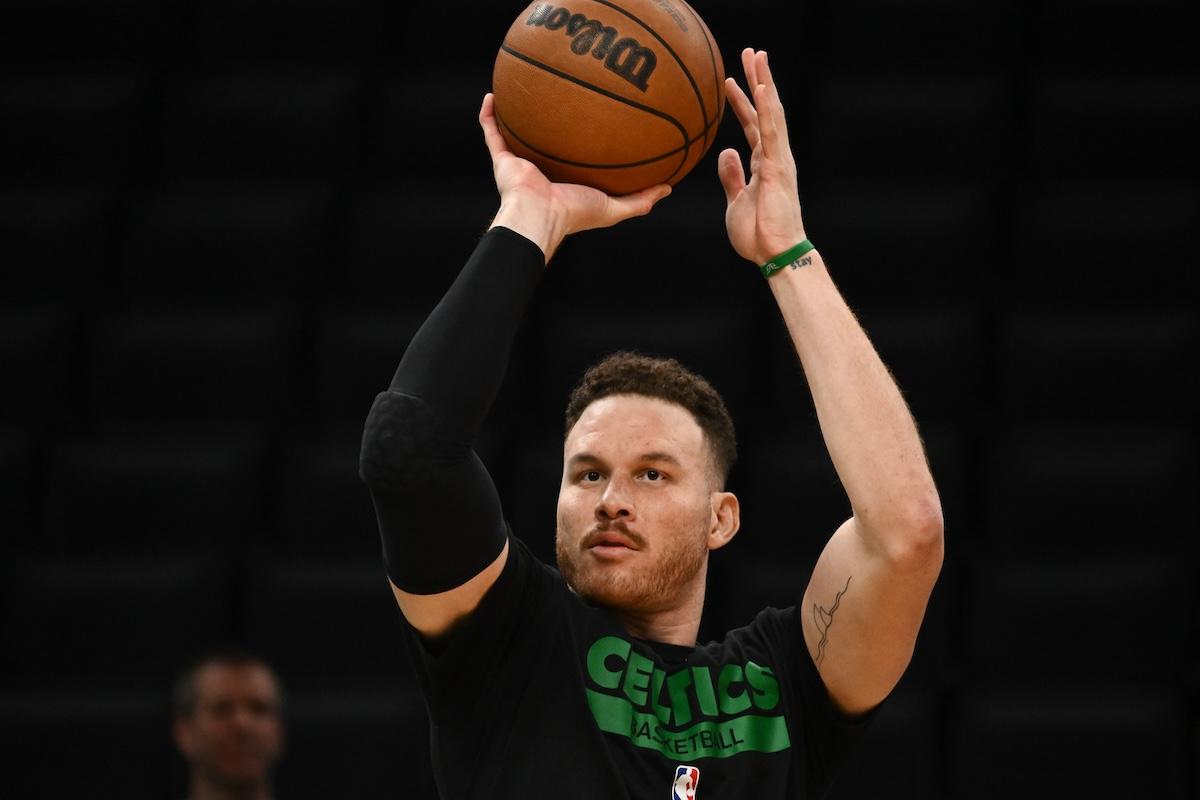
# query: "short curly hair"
627,372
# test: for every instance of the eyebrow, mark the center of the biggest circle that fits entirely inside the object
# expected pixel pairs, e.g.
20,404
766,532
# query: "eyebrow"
589,458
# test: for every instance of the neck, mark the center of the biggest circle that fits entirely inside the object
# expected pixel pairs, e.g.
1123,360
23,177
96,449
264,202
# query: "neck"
676,624
204,788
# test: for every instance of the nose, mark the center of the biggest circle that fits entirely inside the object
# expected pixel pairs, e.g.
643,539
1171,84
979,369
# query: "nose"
616,501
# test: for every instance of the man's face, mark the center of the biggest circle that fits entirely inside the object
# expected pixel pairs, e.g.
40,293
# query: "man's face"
637,471
235,736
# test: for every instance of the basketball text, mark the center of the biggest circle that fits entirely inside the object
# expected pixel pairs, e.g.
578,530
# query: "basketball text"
625,56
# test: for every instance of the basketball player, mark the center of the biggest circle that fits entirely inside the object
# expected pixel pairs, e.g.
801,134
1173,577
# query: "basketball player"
587,681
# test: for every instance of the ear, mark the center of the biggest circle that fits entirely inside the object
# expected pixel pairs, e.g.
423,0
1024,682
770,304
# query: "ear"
181,732
725,521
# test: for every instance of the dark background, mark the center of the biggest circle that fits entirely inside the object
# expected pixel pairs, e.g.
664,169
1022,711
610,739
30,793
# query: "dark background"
221,220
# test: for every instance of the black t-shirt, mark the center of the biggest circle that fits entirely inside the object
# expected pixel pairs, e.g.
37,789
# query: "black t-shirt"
540,695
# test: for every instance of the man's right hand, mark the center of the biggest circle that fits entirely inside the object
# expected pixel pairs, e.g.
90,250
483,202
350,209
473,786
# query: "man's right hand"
547,212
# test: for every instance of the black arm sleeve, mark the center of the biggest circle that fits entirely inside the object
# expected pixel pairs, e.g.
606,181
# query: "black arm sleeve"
438,511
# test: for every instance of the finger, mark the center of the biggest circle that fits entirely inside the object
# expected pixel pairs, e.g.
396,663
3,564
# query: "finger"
767,128
776,104
732,174
491,132
749,68
744,111
637,204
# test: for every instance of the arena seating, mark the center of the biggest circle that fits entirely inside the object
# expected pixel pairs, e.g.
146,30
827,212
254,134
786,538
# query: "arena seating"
222,221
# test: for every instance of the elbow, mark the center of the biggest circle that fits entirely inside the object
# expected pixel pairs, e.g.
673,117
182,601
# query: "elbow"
925,523
914,538
924,536
398,442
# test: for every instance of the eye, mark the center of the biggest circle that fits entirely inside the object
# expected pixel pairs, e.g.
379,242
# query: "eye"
591,476
653,475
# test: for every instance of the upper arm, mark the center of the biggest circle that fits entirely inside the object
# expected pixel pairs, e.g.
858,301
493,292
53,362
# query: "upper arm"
861,613
434,615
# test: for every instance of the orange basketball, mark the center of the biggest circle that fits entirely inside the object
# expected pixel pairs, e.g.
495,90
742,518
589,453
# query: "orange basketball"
619,95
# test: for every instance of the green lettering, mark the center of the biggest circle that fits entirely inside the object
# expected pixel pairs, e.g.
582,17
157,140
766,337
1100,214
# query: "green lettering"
704,691
765,687
637,677
681,709
731,703
656,684
597,657
747,733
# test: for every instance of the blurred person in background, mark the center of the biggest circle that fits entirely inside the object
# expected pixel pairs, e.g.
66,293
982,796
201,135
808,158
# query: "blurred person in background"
226,720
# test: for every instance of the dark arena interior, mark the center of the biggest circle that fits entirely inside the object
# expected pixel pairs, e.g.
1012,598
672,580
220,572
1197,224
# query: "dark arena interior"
222,220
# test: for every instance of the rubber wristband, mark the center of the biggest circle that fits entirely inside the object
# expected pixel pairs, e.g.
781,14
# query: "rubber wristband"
786,258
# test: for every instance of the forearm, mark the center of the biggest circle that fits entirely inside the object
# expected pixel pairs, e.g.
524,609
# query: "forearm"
457,359
439,516
871,436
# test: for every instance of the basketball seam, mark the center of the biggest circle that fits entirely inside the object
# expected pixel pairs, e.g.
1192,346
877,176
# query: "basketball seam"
599,90
678,60
712,58
631,164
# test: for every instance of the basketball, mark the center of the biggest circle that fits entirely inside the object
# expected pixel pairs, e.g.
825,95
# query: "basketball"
618,95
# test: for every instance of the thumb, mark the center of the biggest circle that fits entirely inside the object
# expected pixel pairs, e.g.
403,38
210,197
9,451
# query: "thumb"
733,176
637,204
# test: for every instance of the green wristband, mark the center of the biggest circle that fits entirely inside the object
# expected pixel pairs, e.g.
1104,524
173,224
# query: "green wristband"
786,258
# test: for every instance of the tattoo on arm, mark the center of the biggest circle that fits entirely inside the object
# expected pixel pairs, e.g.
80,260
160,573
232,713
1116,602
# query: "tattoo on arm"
801,262
824,619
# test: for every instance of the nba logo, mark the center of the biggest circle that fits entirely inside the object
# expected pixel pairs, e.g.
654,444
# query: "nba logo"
686,781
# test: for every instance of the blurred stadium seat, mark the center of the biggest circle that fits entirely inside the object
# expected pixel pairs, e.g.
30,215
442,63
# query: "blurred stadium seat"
1098,367
1087,623
207,368
920,36
153,495
1059,492
1078,123
117,738
261,125
1066,742
38,356
64,125
64,31
903,244
290,31
403,248
1067,261
57,241
865,128
328,624
108,623
322,508
225,243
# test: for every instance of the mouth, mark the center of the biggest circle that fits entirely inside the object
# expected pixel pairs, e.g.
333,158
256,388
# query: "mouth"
611,544
611,540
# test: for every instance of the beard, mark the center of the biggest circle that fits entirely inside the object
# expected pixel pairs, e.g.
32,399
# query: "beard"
652,580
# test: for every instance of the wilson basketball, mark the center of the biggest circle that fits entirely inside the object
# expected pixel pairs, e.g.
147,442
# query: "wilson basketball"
616,94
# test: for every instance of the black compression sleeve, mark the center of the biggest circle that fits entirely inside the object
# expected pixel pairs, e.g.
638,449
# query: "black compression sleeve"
438,511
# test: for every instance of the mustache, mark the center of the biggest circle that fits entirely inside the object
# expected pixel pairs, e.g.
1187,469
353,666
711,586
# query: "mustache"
636,539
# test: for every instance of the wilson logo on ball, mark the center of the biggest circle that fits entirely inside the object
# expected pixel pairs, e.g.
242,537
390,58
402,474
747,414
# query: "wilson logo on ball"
624,56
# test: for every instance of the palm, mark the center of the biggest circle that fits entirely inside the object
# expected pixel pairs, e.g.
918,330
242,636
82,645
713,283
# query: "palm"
592,207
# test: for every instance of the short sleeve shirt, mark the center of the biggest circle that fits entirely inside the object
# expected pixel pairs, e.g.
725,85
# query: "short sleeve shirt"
538,694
